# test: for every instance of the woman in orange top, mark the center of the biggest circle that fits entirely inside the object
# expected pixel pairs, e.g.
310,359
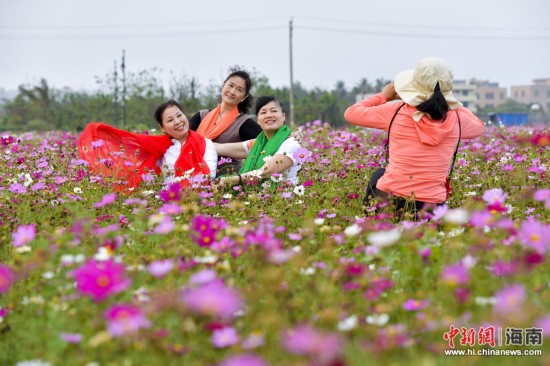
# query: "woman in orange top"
424,134
229,121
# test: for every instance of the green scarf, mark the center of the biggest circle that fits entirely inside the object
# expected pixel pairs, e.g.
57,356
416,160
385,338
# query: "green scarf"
263,147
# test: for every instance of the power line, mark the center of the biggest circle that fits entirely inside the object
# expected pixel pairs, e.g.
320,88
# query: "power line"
412,35
152,25
80,37
395,25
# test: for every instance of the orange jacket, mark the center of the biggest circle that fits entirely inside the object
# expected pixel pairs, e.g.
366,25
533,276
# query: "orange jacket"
420,152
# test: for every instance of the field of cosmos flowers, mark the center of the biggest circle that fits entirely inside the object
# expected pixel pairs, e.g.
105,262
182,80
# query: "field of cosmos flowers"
275,274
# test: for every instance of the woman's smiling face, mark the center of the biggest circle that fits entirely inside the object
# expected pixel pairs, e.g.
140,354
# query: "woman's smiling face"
175,123
234,91
271,117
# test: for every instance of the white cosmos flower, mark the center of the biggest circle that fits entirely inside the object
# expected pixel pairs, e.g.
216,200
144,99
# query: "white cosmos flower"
457,216
479,300
347,324
77,190
319,221
227,196
383,239
352,230
299,190
378,319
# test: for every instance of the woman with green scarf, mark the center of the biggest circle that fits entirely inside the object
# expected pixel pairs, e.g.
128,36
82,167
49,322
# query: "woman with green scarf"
270,153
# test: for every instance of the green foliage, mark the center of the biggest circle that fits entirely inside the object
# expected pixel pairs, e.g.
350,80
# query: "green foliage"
42,108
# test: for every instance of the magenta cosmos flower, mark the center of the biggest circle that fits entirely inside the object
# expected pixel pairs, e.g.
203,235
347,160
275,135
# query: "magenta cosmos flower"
23,235
124,319
213,299
100,279
414,305
6,278
172,193
204,229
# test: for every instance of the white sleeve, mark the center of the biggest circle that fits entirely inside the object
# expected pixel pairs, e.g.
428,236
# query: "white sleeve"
288,148
211,158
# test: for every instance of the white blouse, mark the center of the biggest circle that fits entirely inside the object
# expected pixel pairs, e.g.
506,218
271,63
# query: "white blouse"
171,155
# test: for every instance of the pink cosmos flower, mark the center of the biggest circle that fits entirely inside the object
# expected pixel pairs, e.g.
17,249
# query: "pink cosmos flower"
170,209
414,305
455,274
17,188
97,144
124,319
23,235
106,200
543,195
482,218
225,337
203,277
494,195
535,235
544,323
213,299
223,245
71,337
100,279
160,268
323,347
6,278
301,155
166,226
243,360
510,299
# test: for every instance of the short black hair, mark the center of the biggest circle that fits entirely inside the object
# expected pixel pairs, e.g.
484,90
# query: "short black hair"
161,108
235,71
261,101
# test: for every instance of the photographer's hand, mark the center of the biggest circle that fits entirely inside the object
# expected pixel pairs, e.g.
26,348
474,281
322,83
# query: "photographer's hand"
389,92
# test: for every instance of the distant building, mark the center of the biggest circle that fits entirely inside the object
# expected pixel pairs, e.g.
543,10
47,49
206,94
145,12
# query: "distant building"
489,94
538,93
466,94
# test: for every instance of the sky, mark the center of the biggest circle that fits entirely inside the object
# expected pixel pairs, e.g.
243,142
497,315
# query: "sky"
71,42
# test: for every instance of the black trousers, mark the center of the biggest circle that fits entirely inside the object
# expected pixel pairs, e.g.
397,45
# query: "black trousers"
401,204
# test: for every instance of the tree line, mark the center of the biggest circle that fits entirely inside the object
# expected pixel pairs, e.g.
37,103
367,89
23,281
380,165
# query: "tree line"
42,108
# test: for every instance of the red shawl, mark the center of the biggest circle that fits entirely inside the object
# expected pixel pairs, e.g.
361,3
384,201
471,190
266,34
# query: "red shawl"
126,156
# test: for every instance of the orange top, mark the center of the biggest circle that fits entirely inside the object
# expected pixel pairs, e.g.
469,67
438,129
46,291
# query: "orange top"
211,128
420,152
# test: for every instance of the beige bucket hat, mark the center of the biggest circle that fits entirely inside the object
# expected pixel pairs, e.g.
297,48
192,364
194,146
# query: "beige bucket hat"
417,86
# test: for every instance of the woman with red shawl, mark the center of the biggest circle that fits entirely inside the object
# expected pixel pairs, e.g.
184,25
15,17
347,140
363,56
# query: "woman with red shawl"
127,157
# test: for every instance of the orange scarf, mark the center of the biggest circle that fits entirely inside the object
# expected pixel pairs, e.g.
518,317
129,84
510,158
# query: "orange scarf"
211,128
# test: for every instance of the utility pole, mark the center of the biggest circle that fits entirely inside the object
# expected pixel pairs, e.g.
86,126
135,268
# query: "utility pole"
123,67
115,100
291,77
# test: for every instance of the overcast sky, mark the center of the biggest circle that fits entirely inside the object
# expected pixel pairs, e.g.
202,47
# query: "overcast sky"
69,42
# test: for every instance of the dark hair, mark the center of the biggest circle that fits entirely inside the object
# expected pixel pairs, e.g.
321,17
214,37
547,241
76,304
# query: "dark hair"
436,106
161,108
245,105
261,101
